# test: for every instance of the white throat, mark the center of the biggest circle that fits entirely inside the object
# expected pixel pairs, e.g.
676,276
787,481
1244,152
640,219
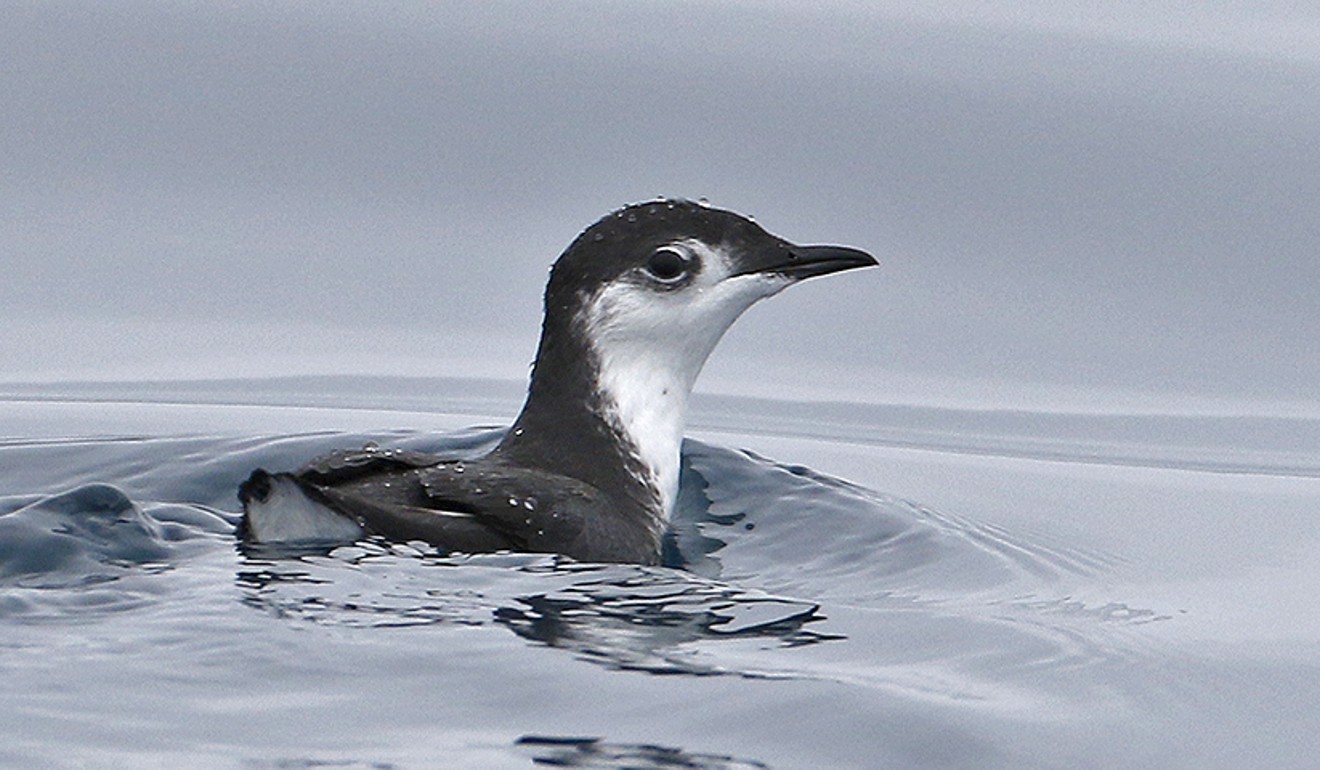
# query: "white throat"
646,398
650,347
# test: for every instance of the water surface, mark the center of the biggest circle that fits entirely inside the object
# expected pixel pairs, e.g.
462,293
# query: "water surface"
987,590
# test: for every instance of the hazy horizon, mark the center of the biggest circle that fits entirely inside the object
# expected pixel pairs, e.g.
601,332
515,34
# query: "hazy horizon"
1067,205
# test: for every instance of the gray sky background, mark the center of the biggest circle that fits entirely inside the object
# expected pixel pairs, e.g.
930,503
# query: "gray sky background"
1074,206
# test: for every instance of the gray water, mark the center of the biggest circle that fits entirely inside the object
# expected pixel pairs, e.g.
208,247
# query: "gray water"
1039,491
1000,595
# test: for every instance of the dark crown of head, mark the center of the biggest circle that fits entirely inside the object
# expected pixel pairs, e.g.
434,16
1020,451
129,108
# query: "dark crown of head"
626,237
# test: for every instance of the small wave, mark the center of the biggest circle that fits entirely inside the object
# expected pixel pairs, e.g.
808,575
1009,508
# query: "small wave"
86,535
87,540
804,533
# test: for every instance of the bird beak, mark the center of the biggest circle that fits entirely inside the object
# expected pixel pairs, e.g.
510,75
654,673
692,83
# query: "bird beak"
799,262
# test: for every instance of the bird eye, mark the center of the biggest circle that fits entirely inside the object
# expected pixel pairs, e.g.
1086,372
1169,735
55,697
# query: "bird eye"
667,265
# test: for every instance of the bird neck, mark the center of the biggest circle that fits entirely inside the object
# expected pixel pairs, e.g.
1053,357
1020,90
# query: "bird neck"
582,419
645,399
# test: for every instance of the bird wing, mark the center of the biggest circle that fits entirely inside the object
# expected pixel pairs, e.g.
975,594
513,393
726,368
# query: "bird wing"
475,506
381,490
537,510
344,465
541,511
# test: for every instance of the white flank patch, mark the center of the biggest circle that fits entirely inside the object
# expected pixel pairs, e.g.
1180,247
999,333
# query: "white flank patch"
289,516
651,345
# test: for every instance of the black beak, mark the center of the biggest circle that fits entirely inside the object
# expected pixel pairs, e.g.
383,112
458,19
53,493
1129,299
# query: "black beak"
799,262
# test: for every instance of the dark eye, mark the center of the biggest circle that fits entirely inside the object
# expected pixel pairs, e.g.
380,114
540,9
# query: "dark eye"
667,265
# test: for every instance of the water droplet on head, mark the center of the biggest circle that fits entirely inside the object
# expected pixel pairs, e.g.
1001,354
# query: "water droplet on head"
703,202
518,431
598,237
530,503
632,216
370,446
458,467
513,501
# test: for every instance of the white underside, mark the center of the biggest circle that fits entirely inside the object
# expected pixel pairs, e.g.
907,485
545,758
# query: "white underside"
289,516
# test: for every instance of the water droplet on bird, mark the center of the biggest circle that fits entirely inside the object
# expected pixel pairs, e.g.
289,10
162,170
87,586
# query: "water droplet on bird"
458,467
530,503
370,446
513,501
703,202
632,216
598,237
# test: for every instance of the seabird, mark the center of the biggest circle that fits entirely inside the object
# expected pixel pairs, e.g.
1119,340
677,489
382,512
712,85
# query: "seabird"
590,467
